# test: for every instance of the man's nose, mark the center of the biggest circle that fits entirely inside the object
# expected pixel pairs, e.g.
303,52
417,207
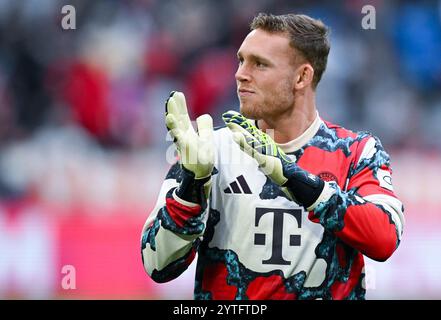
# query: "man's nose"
242,74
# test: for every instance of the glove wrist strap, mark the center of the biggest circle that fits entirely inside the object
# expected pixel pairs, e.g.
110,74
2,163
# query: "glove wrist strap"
304,187
191,189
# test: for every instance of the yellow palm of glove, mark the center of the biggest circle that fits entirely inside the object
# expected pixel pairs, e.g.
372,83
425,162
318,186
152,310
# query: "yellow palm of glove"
196,150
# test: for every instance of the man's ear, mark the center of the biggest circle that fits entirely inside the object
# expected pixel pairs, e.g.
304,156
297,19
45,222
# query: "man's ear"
304,77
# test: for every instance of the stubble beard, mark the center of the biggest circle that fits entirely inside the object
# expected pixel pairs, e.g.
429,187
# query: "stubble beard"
250,110
271,107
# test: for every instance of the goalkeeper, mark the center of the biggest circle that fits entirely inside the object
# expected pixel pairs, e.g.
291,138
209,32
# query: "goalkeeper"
286,215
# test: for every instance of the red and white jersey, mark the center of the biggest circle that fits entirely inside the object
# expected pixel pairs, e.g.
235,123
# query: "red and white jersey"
252,242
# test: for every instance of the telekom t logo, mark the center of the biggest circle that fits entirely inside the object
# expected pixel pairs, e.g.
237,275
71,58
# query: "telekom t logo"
277,243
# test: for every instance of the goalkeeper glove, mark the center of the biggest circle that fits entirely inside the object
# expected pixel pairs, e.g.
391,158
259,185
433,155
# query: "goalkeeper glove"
195,150
300,185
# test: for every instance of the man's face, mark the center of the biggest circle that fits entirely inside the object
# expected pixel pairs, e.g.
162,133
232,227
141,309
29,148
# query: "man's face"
266,74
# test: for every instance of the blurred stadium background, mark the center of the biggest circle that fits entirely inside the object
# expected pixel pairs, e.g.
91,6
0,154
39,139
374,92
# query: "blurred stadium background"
83,142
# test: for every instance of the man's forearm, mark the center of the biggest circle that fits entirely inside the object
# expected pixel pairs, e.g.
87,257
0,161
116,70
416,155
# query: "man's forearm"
363,225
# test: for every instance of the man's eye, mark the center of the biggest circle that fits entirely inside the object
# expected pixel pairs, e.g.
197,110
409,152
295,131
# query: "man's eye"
260,64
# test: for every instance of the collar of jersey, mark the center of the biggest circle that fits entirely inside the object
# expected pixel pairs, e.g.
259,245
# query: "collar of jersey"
303,139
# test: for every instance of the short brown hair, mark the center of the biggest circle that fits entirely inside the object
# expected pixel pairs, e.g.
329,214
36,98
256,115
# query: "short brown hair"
308,36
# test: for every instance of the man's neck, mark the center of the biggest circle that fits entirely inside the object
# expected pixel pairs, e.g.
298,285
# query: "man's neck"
291,125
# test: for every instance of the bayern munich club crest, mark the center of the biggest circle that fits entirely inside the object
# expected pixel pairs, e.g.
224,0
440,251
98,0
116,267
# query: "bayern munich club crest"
327,176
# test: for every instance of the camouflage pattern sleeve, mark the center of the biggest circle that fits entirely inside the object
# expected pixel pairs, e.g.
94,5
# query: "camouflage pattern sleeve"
173,231
366,215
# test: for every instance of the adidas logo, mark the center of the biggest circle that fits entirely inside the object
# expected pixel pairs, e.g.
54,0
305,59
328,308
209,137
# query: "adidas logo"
235,186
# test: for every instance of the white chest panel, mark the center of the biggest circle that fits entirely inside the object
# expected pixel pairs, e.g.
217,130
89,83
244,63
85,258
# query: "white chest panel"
266,234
